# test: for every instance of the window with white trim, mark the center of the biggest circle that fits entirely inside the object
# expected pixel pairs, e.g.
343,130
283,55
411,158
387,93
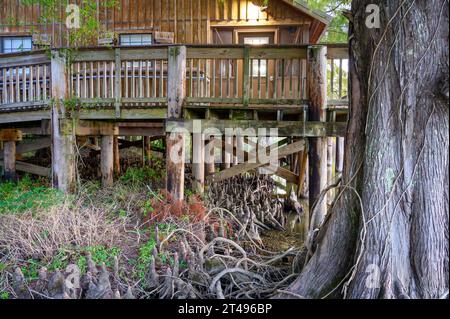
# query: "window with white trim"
258,67
135,39
15,44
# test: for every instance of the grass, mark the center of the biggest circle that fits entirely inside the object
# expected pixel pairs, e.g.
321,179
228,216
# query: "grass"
27,195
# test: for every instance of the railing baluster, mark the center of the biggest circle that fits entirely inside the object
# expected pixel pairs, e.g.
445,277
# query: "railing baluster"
85,89
259,78
282,79
99,89
340,79
236,77
147,80
45,82
31,94
332,79
24,83
78,81
246,77
198,77
154,78
17,85
105,80
91,75
161,80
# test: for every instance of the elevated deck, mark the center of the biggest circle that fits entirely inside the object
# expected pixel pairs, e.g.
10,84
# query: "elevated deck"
154,91
131,83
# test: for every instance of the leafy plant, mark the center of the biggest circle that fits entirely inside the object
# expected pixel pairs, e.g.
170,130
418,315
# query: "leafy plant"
27,195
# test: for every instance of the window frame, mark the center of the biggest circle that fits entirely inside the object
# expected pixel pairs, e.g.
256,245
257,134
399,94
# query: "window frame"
136,44
12,38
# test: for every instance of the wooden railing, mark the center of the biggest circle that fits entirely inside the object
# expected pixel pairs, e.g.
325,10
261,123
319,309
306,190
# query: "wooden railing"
246,75
130,77
24,80
337,66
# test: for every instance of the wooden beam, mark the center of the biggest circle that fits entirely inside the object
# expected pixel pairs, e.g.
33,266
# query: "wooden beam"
31,169
285,128
286,174
10,134
245,167
88,128
32,146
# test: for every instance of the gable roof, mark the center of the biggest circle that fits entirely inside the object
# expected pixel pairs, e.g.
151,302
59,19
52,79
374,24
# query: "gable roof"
320,19
316,14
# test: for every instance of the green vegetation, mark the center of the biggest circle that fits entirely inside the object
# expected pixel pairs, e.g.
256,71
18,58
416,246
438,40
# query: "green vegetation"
26,195
338,28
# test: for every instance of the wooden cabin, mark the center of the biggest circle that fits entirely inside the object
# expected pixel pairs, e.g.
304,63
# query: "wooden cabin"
156,64
144,22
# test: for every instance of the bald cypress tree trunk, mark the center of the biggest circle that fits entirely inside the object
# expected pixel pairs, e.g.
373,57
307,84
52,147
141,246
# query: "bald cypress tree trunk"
388,235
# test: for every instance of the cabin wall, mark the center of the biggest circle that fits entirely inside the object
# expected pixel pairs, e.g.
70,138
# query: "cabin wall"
191,21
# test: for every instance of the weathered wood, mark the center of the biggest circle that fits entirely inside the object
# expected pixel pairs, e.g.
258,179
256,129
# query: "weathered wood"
9,155
32,146
175,156
250,127
88,128
147,150
210,165
10,135
198,162
245,167
116,155
31,168
317,89
339,165
63,146
107,160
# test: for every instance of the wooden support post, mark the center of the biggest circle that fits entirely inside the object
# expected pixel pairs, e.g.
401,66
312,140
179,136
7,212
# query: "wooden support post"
198,164
175,140
210,165
9,137
147,150
9,155
116,156
227,157
107,160
330,173
317,92
339,166
63,144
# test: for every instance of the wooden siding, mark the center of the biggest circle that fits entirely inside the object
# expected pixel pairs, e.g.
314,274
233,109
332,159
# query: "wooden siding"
191,21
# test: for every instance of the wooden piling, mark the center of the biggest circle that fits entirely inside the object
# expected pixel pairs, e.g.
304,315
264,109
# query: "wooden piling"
198,162
210,165
9,156
339,166
175,141
107,160
147,150
9,137
317,92
63,143
116,155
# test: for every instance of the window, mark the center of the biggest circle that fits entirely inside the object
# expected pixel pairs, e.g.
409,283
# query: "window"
258,67
16,44
135,39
